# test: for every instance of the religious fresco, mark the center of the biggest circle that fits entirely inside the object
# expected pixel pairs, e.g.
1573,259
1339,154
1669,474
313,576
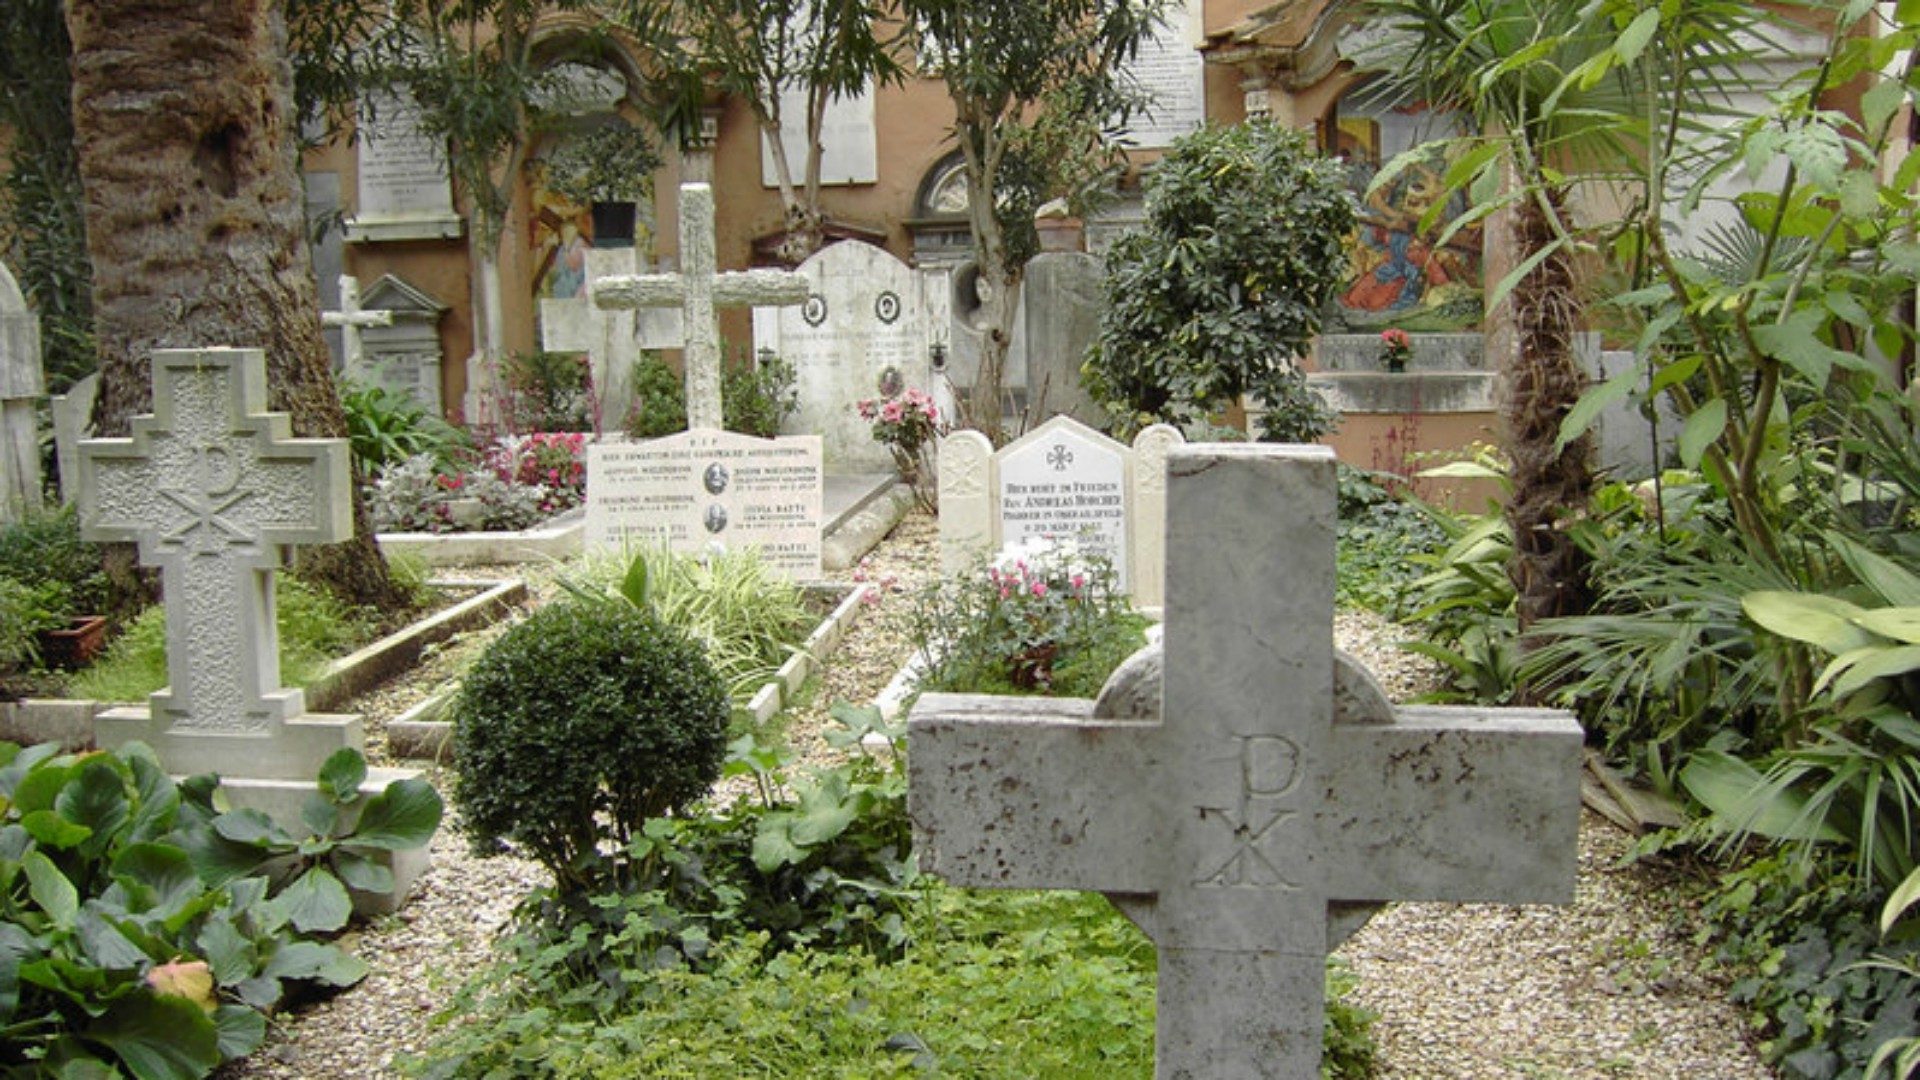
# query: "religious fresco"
1398,276
560,232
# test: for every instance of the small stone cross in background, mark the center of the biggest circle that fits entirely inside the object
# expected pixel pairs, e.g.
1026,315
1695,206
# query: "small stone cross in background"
351,319
698,289
1246,815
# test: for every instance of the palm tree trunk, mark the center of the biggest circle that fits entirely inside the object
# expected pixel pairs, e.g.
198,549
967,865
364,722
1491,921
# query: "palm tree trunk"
195,221
1549,571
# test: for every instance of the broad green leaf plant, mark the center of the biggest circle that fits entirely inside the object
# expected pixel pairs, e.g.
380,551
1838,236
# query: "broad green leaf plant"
145,931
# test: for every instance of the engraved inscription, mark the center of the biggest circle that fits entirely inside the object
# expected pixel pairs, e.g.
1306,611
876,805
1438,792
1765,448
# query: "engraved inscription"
1255,851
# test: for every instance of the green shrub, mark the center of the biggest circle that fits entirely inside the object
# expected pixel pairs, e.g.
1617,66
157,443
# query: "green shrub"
1043,618
659,400
756,397
140,927
1225,284
1380,534
1008,985
547,392
1795,939
575,727
385,429
45,547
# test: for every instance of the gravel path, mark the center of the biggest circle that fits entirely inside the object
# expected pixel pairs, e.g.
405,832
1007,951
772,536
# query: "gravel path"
1610,987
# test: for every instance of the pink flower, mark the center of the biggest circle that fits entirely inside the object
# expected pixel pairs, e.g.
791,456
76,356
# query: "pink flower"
1005,592
1079,581
1039,588
1395,338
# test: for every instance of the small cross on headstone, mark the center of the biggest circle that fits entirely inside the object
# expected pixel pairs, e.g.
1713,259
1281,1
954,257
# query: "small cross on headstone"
698,289
1271,793
213,490
351,319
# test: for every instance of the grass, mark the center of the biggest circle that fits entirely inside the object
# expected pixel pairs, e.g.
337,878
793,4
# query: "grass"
749,618
314,628
996,986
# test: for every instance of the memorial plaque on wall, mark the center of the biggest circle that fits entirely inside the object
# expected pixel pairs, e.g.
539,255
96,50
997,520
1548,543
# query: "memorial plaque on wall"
1171,69
404,192
705,490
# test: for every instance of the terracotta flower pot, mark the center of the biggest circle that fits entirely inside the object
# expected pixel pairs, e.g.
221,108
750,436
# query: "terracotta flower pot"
75,646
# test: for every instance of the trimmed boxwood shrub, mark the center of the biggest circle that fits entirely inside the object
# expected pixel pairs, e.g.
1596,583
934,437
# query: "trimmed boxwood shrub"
578,725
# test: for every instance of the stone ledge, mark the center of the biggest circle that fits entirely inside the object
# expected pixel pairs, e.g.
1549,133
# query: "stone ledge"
557,539
74,723
1406,392
359,671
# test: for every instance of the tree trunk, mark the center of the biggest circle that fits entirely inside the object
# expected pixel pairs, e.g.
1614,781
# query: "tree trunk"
1548,569
195,220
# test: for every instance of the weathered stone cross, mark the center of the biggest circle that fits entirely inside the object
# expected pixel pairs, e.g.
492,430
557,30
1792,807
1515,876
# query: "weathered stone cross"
213,490
1246,822
351,319
698,289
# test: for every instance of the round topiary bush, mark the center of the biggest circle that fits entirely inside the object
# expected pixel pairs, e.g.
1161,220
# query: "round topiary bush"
578,725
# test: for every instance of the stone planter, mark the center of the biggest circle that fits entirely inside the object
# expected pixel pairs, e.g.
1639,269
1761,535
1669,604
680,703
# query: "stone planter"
425,732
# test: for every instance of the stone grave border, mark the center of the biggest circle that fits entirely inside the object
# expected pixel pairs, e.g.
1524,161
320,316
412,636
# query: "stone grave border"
420,733
556,538
69,721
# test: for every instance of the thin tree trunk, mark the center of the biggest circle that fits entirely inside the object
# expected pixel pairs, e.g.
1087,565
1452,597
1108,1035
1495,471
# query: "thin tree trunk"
1548,569
195,220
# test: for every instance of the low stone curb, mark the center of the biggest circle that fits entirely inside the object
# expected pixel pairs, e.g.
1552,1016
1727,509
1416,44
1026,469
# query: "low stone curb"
560,538
420,733
69,722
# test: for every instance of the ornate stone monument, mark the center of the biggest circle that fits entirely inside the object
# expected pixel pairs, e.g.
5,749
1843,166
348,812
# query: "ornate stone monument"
1247,813
214,491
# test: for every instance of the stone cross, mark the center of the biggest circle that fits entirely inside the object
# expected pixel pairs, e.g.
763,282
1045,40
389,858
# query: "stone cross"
351,319
698,289
213,490
21,383
1246,814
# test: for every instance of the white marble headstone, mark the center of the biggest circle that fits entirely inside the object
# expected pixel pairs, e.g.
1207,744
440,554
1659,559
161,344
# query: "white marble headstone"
699,490
1061,479
1059,482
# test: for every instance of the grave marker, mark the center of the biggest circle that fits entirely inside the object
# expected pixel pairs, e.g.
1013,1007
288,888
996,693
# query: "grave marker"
1062,479
21,384
697,290
1273,789
692,491
864,326
351,319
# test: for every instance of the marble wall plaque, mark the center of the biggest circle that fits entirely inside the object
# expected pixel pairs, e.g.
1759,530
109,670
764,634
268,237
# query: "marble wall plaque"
849,148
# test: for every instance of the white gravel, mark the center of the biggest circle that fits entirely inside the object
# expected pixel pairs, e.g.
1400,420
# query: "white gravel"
1608,988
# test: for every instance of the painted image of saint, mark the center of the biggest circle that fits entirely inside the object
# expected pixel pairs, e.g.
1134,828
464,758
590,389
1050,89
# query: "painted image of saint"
1396,270
715,478
716,519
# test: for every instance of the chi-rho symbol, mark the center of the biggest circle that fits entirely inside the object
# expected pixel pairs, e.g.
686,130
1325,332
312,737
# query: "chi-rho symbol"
1249,813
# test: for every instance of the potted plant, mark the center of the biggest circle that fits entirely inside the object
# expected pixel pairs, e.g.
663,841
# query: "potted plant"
1396,348
610,168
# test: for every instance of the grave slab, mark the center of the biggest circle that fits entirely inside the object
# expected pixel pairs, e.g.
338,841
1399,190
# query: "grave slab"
1267,794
